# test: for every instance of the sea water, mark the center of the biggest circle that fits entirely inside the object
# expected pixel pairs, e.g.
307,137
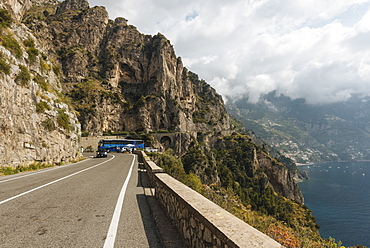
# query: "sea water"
339,196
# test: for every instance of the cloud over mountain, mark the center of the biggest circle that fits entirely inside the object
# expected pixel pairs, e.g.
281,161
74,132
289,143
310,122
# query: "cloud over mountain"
317,50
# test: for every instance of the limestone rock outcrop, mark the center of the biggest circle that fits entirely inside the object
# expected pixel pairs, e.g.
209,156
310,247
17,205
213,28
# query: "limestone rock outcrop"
73,5
135,82
35,123
280,179
16,7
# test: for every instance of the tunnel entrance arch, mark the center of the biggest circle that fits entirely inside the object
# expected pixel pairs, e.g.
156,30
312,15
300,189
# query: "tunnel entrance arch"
166,142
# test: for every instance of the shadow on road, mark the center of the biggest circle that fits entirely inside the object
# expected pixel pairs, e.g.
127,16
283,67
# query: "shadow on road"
163,232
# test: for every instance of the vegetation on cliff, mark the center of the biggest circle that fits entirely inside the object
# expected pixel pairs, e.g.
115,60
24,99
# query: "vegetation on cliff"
244,191
6,19
36,122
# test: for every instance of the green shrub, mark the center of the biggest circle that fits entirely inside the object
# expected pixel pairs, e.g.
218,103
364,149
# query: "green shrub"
63,98
63,120
193,181
56,70
32,54
7,170
31,50
42,106
23,77
162,131
29,42
4,66
41,82
118,133
12,45
172,165
44,66
85,134
48,125
5,19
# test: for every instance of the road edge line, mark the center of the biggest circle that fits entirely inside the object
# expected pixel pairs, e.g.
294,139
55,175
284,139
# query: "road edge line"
112,231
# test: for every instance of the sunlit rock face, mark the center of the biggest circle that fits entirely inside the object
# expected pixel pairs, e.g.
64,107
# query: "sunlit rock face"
135,82
35,123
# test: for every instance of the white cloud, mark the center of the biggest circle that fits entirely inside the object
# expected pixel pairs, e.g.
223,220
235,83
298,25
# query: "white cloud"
315,49
363,26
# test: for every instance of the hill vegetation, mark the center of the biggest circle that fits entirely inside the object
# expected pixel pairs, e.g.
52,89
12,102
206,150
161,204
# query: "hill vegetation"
308,133
244,190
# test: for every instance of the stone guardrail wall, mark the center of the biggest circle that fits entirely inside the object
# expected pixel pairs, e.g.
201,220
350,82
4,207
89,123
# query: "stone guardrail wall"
201,222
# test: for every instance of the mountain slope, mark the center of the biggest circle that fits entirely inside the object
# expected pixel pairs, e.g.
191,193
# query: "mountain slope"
309,133
120,79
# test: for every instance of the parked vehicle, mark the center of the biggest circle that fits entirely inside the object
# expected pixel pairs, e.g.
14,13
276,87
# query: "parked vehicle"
101,153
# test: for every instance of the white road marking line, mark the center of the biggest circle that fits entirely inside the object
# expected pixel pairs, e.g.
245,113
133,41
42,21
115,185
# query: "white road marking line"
55,181
112,232
42,171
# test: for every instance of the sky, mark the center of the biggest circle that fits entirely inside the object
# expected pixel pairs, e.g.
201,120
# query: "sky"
318,50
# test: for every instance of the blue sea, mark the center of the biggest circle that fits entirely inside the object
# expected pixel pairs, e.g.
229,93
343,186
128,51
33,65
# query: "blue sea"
339,196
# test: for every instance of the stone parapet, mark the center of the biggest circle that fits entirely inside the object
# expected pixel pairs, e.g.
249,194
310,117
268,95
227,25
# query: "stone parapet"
201,222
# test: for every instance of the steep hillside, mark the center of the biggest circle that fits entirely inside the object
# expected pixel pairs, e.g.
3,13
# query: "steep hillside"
309,133
120,80
35,123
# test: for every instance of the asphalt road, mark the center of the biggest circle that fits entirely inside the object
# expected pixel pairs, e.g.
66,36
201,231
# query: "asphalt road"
99,202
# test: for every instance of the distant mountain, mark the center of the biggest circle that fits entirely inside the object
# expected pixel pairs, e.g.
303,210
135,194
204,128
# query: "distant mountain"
309,133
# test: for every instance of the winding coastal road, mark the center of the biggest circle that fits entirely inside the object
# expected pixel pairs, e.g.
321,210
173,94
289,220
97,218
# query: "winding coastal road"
99,202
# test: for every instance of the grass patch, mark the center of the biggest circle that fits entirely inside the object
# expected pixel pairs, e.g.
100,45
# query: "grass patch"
31,50
32,54
56,70
4,66
23,77
5,19
63,120
4,171
12,45
44,66
42,106
42,83
49,125
21,168
85,134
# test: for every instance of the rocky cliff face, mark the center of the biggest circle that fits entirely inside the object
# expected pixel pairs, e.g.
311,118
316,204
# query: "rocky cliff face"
122,80
35,124
279,178
231,160
16,7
